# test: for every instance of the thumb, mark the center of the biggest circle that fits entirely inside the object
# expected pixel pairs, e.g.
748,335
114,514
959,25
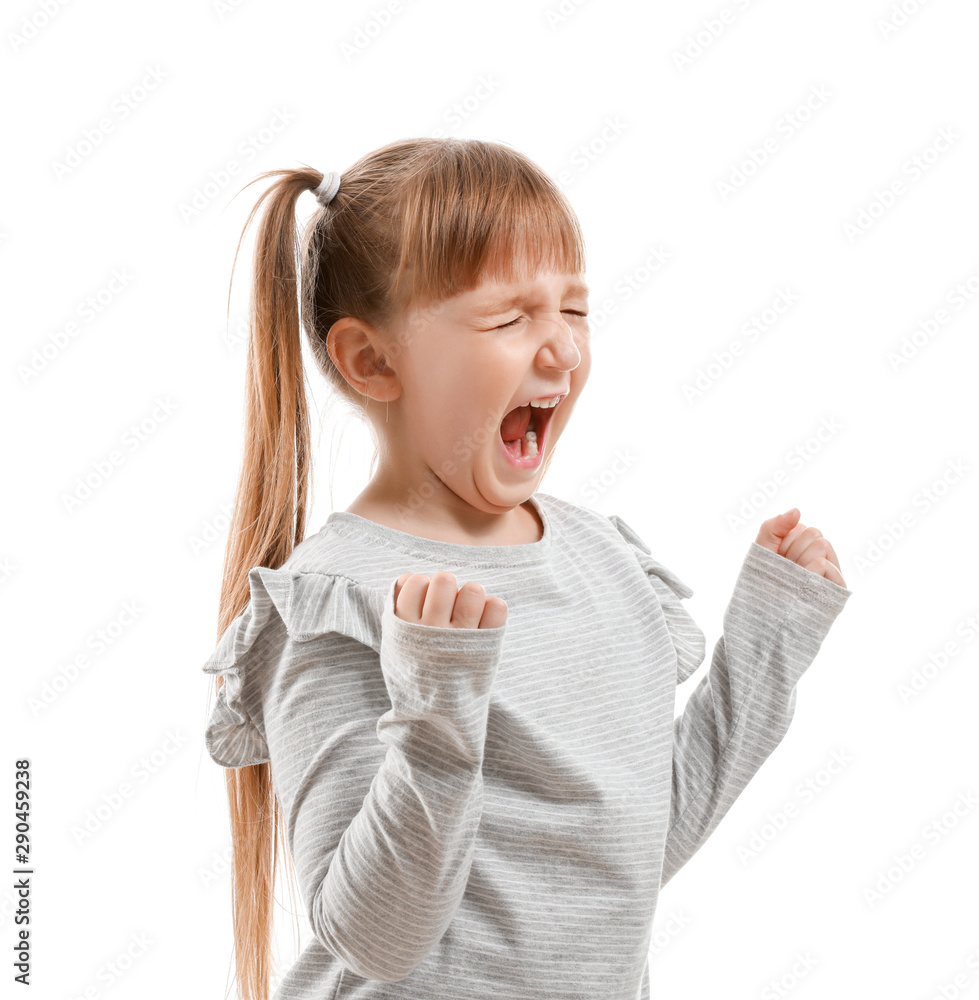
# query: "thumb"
776,528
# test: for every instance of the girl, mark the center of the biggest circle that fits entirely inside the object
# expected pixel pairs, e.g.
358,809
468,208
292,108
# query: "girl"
453,703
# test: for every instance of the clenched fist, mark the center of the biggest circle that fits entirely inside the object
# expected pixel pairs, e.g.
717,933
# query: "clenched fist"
440,601
805,546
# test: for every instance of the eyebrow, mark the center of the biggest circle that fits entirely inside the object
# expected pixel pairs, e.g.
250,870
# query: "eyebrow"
493,306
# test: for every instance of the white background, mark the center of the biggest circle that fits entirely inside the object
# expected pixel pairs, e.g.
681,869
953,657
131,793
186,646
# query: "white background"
151,533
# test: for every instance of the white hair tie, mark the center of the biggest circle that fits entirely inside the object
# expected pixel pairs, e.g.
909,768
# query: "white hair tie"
328,188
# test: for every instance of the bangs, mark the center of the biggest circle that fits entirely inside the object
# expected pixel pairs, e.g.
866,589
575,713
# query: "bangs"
495,215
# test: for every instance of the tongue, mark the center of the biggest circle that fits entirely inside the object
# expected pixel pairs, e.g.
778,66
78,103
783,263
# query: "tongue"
515,423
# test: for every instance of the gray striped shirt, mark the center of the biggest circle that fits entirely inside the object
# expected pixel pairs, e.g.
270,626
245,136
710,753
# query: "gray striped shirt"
479,813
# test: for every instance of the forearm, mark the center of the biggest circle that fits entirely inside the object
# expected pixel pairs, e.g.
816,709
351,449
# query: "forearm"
775,623
402,865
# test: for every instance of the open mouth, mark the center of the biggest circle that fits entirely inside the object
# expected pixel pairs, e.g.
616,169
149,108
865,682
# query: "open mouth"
523,431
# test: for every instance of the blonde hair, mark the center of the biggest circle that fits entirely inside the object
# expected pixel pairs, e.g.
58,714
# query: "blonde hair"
416,221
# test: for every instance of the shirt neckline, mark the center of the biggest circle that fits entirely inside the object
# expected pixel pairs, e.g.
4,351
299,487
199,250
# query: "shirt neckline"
355,526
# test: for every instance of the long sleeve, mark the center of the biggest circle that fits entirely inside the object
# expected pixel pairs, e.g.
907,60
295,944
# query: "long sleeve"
375,730
777,618
390,890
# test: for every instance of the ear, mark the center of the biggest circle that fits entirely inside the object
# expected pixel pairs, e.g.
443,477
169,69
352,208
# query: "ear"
357,349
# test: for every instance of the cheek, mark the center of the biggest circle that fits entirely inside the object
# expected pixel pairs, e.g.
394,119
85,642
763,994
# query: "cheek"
458,400
475,420
454,418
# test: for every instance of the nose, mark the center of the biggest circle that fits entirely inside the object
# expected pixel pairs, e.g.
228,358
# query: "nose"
559,344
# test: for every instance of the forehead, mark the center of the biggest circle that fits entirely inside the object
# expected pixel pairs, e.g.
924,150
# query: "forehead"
494,293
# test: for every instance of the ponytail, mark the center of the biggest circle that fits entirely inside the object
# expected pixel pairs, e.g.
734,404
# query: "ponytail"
269,521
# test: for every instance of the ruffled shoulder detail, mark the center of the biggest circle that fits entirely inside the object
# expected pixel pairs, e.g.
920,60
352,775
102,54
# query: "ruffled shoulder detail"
689,641
646,560
301,605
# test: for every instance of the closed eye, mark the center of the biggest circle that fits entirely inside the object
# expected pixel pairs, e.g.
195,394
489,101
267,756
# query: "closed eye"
573,312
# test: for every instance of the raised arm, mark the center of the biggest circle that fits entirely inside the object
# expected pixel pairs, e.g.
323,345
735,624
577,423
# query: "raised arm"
378,771
382,900
777,618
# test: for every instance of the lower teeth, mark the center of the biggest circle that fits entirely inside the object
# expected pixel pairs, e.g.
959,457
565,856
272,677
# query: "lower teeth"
530,444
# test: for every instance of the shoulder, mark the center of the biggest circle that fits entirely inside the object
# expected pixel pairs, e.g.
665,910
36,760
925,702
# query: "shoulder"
311,602
574,522
571,518
321,588
286,607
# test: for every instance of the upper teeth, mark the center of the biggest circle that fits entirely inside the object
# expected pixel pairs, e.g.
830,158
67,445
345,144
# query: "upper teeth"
546,402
